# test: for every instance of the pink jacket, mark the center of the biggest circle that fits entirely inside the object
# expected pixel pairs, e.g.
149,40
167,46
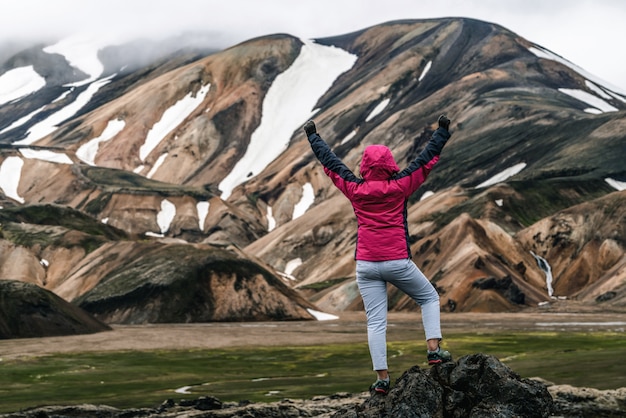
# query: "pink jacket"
379,198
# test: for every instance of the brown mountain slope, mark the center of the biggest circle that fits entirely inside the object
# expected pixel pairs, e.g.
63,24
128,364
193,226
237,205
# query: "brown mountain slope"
585,247
509,108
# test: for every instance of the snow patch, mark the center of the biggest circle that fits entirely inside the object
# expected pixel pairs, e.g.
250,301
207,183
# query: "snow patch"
500,177
156,165
166,215
618,185
499,202
63,95
271,222
597,90
170,119
203,211
10,173
45,155
87,152
308,196
377,110
50,124
22,120
348,137
19,82
81,51
544,53
287,104
425,70
590,99
292,265
426,195
322,316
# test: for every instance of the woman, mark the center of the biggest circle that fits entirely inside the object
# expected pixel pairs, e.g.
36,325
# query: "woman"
383,255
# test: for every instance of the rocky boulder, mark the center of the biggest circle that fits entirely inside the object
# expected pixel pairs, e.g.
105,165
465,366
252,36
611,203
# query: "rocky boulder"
477,385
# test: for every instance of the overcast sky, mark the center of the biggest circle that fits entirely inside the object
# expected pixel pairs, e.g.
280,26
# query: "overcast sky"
590,33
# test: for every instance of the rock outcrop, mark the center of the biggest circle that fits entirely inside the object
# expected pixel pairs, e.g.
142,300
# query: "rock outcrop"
476,386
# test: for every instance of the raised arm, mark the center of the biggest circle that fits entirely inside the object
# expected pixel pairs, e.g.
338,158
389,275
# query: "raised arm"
417,171
339,173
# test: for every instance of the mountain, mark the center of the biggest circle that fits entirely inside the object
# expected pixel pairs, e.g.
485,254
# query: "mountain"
205,147
27,311
118,279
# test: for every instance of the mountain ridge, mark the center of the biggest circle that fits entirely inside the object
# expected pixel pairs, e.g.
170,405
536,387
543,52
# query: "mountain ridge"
527,145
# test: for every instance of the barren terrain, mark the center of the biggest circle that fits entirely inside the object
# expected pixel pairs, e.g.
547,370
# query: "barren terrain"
350,327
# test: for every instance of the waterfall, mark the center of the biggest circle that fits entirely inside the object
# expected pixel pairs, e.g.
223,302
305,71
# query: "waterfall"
543,265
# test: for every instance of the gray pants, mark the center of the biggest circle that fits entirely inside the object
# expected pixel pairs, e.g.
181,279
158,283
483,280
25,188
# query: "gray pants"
372,278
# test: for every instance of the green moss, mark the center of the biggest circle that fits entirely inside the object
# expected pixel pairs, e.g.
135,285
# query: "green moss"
97,205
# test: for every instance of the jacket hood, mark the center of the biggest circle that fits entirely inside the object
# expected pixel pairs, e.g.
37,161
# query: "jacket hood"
378,163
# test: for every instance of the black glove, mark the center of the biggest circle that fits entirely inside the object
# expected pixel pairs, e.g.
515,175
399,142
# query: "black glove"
309,128
444,122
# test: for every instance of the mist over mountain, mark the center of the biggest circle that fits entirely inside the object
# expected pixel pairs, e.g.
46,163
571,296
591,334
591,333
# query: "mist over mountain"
187,165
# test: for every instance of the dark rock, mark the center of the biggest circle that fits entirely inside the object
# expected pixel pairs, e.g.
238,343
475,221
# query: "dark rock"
606,296
505,286
476,386
205,403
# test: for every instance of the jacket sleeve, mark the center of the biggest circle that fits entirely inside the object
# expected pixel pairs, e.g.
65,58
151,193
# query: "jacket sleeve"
339,173
416,173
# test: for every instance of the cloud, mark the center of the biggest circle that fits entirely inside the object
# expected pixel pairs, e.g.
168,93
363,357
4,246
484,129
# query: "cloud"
588,33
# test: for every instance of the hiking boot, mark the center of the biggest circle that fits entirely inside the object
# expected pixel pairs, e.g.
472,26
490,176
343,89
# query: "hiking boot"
380,386
439,356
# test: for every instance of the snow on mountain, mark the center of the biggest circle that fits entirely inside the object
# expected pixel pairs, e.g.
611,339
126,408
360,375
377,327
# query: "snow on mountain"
425,70
166,215
271,222
81,51
308,196
19,82
164,218
614,91
288,104
598,105
171,118
10,173
378,109
50,124
45,155
159,162
616,184
203,211
22,120
502,176
88,151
